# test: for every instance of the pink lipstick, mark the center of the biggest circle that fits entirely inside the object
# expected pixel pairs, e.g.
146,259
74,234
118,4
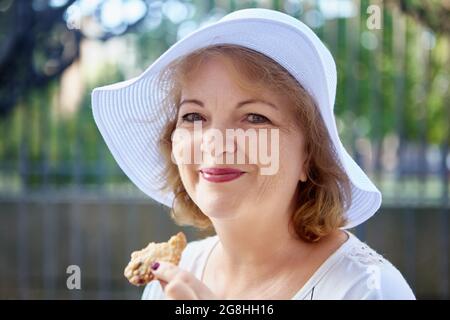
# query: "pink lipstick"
220,174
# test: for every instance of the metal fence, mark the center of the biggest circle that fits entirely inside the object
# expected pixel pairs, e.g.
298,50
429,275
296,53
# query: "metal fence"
64,201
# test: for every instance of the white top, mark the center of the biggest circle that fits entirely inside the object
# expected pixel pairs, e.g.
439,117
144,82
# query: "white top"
353,271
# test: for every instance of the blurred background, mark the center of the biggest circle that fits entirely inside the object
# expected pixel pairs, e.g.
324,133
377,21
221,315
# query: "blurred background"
64,201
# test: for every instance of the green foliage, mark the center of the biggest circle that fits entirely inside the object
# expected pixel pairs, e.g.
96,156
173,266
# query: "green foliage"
383,88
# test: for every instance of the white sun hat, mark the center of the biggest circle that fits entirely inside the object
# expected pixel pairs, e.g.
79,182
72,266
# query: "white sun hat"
121,111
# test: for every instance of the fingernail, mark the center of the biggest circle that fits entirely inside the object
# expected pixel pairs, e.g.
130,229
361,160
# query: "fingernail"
155,265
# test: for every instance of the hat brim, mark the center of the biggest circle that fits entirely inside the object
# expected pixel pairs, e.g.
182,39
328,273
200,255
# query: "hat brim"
128,118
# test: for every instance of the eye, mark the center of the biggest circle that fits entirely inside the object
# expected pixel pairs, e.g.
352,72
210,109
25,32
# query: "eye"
192,117
257,118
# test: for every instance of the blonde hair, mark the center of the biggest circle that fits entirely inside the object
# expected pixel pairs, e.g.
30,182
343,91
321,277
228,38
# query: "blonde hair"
322,199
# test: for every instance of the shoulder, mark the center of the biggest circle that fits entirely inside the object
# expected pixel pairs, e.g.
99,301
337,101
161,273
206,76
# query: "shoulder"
362,273
195,252
191,260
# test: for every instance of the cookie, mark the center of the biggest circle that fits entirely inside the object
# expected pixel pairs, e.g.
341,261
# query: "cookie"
138,270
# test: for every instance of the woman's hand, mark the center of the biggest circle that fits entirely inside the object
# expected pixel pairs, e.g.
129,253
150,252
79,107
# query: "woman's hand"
179,284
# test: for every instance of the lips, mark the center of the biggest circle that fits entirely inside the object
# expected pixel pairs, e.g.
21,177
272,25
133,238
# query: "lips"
220,174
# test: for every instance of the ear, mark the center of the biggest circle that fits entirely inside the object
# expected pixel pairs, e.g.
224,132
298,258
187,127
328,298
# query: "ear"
303,176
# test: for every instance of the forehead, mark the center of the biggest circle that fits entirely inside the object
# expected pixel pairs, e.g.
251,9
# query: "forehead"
213,70
224,75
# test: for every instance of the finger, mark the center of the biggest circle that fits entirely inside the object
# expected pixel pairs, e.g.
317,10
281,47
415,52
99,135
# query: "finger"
178,290
168,272
163,284
165,271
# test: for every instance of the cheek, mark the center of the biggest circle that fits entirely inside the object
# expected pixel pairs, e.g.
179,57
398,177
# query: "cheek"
189,177
263,150
183,157
292,155
280,153
183,147
289,149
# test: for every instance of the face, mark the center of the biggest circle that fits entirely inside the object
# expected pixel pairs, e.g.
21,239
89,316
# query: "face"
212,101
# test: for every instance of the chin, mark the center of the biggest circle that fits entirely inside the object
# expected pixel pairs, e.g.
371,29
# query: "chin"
217,208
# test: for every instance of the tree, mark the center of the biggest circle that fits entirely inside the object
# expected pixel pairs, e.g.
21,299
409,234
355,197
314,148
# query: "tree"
36,45
432,13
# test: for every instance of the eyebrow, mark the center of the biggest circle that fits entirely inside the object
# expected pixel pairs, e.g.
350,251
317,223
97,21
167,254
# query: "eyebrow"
240,104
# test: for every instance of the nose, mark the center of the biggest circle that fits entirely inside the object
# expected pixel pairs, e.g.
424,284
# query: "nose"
215,142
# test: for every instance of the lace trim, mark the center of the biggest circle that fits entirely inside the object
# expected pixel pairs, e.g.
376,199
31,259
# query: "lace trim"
363,254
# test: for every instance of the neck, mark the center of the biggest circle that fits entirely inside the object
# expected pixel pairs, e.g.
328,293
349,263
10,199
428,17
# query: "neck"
251,245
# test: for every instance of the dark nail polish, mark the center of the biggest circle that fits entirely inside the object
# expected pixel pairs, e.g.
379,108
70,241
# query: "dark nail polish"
155,265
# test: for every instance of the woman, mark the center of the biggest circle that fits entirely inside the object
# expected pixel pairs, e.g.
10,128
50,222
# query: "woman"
257,85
